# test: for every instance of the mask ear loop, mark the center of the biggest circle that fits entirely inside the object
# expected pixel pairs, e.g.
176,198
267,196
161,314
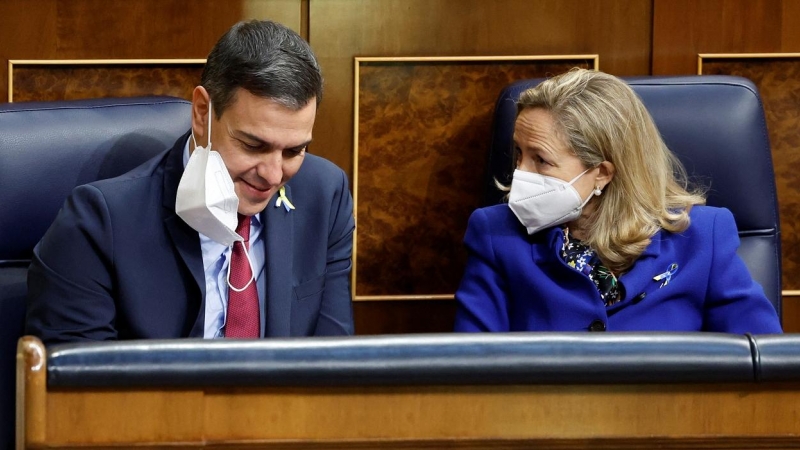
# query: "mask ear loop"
587,198
244,247
252,269
210,115
595,193
210,112
572,181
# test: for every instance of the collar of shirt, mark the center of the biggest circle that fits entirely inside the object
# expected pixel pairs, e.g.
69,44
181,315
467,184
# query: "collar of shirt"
216,259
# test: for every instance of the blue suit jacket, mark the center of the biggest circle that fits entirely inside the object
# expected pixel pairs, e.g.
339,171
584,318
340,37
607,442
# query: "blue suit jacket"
516,282
118,263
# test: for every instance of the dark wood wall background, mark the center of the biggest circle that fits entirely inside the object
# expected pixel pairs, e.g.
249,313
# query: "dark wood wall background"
632,37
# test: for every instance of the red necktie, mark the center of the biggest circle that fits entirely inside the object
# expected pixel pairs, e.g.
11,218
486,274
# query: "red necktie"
243,319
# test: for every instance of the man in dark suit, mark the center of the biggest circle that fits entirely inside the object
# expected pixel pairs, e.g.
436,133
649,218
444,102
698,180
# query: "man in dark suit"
120,262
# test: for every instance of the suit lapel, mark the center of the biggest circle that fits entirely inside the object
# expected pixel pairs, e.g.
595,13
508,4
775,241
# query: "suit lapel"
184,238
279,229
545,248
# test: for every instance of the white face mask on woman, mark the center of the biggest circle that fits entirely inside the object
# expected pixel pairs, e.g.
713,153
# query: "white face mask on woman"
206,197
541,202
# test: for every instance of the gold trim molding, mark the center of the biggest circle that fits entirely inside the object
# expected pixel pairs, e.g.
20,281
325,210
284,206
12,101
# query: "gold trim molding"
716,56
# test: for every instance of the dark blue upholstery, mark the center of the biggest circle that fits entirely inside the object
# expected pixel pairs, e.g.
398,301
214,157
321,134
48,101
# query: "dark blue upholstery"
777,357
446,359
716,126
46,149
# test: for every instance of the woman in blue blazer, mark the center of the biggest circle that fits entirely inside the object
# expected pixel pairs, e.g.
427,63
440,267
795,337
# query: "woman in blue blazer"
601,231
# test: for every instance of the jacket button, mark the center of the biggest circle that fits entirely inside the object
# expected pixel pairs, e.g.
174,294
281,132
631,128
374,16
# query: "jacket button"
597,325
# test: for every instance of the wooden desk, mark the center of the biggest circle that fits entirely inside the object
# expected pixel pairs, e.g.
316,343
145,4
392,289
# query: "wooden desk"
709,416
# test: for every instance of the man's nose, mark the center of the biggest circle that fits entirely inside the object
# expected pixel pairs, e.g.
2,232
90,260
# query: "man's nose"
271,168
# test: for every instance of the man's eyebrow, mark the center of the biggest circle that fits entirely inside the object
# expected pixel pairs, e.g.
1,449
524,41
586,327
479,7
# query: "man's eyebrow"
299,147
251,137
260,142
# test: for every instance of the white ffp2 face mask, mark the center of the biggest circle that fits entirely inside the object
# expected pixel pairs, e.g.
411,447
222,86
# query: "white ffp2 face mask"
541,202
206,197
207,200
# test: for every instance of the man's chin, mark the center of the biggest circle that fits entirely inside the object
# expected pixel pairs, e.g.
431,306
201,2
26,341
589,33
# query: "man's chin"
251,209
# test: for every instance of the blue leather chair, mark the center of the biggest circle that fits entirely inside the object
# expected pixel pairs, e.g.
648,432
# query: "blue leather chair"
716,126
46,149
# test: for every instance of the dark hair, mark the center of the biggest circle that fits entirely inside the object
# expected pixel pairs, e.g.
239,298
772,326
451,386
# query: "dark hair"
266,59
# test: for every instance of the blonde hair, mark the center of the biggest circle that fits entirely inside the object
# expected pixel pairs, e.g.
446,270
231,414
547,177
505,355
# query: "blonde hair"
602,119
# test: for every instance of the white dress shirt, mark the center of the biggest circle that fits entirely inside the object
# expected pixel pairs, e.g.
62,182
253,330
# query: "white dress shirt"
216,260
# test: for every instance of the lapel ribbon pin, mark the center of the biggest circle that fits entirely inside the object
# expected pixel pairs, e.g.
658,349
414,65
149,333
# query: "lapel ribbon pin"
666,276
282,200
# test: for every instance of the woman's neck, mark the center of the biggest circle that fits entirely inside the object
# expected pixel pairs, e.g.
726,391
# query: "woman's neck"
577,229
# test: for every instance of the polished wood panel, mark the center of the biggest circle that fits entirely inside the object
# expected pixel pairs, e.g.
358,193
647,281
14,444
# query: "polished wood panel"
749,415
292,13
684,28
423,129
791,314
31,391
27,31
717,442
122,29
618,30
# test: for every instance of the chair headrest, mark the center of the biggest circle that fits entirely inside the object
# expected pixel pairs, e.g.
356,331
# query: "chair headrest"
48,148
714,124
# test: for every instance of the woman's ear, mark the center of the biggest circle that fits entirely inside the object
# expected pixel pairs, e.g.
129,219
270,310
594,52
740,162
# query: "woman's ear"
200,108
605,174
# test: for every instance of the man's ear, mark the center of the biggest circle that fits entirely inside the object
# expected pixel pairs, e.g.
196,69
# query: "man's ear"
605,174
200,109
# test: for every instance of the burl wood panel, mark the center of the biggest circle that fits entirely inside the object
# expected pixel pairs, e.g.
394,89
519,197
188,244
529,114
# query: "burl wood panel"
71,82
423,135
778,80
404,316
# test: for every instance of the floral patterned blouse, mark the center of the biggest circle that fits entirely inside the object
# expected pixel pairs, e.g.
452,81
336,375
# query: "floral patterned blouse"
582,258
